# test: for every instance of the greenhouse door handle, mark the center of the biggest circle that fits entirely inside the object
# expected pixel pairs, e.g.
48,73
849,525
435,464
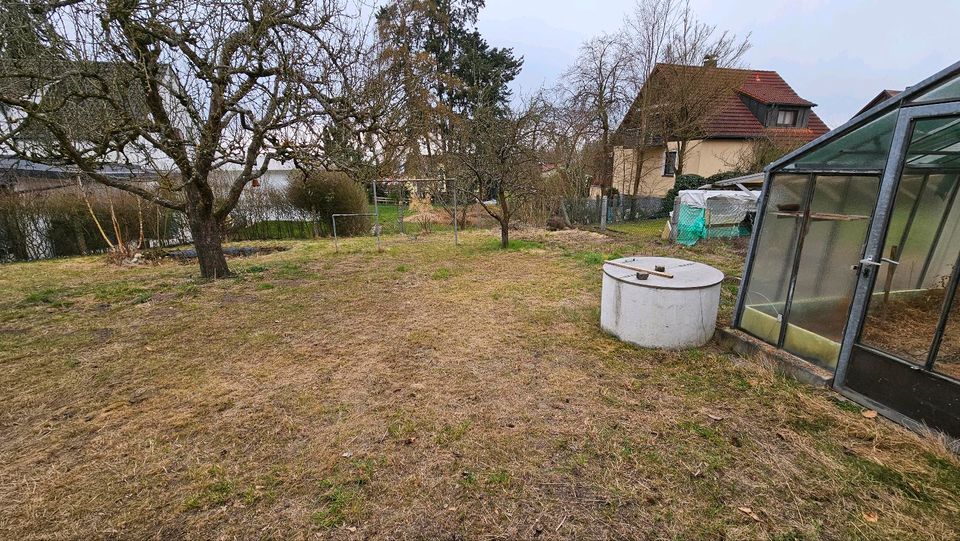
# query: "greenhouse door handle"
865,264
883,260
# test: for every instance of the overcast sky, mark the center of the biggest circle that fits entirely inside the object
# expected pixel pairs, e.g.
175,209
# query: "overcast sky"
836,53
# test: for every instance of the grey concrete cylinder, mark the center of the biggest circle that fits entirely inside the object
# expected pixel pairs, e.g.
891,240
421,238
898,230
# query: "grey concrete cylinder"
659,312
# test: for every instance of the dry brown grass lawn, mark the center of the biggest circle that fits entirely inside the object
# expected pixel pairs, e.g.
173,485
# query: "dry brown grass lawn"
423,393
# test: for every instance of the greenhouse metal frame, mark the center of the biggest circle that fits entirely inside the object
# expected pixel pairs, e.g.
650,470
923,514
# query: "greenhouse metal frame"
854,261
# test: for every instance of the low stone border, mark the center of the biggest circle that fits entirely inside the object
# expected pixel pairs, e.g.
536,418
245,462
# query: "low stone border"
790,365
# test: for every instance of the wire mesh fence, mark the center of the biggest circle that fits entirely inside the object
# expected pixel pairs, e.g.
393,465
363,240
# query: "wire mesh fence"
619,208
34,227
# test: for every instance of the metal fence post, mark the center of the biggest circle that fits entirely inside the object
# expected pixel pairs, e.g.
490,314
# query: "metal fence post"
456,240
400,224
603,212
336,243
376,214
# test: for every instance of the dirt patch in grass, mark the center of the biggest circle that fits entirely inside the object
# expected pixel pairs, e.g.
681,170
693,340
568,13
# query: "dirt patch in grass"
577,236
189,254
423,392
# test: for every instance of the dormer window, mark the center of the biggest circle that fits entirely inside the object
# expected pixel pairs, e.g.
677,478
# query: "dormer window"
787,118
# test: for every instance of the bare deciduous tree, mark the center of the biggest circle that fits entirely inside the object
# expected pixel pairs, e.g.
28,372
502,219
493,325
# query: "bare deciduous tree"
182,88
765,149
596,83
675,77
648,30
497,159
568,139
643,66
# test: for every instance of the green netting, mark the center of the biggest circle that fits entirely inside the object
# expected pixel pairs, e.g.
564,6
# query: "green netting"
692,226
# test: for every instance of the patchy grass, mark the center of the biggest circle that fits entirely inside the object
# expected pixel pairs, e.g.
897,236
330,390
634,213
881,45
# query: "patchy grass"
450,434
516,245
442,273
51,296
498,479
646,228
424,391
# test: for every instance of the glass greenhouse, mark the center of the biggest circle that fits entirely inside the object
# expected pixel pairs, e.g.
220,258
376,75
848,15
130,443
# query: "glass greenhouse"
854,263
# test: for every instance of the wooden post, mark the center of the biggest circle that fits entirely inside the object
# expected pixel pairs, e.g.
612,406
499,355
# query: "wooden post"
891,268
603,213
639,269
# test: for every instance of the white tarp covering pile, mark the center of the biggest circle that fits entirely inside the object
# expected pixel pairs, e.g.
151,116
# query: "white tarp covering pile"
701,214
698,198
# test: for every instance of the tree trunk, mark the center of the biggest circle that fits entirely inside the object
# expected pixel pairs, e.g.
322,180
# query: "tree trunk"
207,242
606,166
462,220
78,234
637,170
505,213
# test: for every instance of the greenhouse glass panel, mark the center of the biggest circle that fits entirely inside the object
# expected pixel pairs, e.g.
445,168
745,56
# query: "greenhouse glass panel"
941,262
832,245
948,356
906,204
772,267
910,244
921,247
866,147
935,145
946,91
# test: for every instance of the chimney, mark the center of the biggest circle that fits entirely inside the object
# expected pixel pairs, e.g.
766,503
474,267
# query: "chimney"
710,61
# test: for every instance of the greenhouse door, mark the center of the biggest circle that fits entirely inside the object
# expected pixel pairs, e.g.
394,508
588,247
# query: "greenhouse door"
803,276
903,354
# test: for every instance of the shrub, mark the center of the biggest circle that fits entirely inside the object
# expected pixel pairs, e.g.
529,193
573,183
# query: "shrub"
325,193
57,222
683,182
726,175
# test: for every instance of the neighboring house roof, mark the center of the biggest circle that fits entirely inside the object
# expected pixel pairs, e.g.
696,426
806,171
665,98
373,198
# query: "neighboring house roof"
15,171
884,95
768,87
275,165
733,119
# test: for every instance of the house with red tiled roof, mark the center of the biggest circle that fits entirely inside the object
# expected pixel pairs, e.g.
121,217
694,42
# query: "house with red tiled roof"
728,111
883,96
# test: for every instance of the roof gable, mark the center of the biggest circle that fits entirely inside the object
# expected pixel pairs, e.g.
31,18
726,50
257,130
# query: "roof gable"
884,95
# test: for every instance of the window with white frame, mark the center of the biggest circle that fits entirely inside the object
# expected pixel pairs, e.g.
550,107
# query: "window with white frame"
787,117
